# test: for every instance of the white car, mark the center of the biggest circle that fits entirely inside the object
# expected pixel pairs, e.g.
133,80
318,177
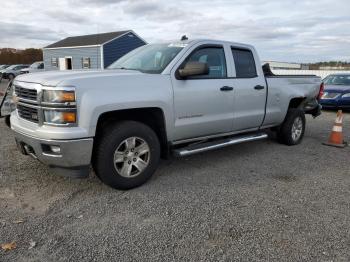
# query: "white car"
37,66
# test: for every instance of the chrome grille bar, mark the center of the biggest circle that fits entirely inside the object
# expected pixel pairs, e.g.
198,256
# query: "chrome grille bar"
28,94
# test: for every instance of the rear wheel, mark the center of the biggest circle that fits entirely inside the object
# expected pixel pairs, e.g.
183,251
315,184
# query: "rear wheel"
11,77
292,130
127,155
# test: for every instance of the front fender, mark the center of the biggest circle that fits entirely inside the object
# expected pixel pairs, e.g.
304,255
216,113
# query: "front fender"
142,91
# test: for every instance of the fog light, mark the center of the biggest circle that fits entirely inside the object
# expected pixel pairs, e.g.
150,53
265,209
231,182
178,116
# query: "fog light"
55,149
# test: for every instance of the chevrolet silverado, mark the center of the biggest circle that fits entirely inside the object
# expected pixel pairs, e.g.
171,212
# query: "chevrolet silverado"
176,98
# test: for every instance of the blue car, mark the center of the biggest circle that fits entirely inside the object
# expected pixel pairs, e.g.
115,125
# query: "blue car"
336,92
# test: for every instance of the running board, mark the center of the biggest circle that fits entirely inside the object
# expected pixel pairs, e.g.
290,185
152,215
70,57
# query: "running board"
206,146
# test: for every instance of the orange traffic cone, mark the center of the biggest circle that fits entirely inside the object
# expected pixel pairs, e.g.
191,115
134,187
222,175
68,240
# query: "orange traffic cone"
336,138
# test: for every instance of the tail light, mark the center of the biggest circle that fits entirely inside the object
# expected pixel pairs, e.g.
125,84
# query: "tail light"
321,92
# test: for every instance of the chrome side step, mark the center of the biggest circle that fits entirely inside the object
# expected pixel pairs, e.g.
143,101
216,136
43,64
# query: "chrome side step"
206,146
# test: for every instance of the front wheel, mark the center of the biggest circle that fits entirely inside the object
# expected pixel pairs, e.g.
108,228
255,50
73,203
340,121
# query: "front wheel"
292,130
127,154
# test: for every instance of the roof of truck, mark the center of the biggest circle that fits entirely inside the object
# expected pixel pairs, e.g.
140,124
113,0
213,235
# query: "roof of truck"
198,40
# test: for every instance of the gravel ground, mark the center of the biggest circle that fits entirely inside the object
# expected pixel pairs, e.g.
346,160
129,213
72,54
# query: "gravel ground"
259,201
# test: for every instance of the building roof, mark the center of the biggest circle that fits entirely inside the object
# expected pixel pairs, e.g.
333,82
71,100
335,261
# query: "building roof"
87,40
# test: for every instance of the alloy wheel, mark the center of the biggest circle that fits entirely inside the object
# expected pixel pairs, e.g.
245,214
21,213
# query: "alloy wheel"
132,157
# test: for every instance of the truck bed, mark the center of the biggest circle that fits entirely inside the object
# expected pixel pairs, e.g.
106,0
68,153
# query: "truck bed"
282,88
268,73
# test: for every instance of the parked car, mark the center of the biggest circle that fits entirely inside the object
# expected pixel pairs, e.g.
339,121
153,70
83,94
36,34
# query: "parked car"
2,68
6,105
35,67
12,71
176,98
336,91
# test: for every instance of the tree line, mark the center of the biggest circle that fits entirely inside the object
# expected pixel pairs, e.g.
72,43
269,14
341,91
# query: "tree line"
315,66
27,56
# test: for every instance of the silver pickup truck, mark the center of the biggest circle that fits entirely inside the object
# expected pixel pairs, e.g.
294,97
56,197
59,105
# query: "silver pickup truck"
164,99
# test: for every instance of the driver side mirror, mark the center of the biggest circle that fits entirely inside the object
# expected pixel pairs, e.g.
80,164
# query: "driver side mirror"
193,69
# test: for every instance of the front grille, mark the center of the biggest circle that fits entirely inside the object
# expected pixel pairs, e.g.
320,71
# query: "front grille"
28,113
30,94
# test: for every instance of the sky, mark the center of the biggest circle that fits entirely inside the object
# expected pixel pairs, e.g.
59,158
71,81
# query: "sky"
281,30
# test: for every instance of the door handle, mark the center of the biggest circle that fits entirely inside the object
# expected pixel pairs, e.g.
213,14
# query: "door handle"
226,88
259,87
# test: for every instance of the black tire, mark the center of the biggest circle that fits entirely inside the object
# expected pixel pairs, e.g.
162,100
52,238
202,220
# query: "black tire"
10,77
110,140
284,133
7,121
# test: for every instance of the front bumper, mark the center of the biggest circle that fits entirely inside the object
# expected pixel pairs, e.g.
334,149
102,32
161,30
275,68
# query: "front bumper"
335,103
73,159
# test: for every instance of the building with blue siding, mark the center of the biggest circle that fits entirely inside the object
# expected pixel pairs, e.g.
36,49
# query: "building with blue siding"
96,51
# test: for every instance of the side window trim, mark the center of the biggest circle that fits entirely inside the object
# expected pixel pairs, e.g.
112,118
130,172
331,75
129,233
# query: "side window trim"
203,47
234,62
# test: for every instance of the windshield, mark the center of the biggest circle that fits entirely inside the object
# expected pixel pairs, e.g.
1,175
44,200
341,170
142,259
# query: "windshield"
151,59
35,65
11,67
337,80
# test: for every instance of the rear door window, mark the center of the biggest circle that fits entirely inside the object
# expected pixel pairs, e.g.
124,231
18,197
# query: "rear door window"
244,63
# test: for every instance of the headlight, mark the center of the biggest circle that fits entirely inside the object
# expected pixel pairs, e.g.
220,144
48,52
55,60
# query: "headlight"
60,117
347,95
58,96
324,95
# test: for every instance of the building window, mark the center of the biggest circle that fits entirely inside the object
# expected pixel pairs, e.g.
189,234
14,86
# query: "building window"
54,61
86,63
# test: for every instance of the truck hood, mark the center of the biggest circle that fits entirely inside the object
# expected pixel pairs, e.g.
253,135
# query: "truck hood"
54,78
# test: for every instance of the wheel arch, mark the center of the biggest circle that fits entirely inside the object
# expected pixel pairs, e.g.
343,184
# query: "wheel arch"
297,102
153,117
